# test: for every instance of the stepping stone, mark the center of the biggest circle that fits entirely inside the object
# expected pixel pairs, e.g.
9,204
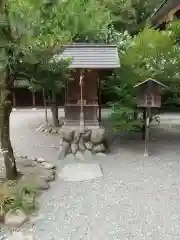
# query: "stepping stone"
76,172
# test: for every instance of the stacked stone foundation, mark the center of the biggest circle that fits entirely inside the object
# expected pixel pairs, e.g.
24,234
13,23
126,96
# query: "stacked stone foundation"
81,144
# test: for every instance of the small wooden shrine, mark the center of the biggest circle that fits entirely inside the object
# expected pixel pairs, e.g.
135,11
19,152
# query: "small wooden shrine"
148,96
149,93
89,62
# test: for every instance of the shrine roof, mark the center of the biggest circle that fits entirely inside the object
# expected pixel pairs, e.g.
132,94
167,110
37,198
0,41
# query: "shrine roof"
88,55
162,10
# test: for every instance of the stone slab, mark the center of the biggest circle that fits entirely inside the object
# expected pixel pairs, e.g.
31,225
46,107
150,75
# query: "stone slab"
76,172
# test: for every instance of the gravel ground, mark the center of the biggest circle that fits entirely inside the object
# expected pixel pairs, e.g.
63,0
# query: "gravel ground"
137,198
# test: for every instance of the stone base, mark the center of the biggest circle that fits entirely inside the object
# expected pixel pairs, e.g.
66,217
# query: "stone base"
81,145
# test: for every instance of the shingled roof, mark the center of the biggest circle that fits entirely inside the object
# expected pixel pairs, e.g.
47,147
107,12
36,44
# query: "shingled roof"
99,56
162,11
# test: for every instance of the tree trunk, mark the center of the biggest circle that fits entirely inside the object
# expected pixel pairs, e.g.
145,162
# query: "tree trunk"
45,106
54,110
135,115
33,98
144,124
6,82
6,147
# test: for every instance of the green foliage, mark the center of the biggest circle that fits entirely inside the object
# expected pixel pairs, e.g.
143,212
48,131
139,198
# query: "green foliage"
122,118
77,20
43,72
155,54
47,25
150,54
130,15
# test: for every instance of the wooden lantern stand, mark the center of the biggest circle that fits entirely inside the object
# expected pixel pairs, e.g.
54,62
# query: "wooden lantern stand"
148,96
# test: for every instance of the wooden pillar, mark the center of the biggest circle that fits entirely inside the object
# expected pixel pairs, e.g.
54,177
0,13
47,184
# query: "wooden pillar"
14,98
33,98
99,98
66,97
144,124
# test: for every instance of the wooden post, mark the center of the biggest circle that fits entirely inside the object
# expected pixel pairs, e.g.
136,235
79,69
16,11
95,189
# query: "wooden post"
144,124
99,98
81,109
147,131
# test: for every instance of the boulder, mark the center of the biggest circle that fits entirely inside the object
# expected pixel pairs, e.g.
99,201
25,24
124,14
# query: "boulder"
54,131
65,144
48,175
49,130
64,148
34,159
70,158
80,155
46,130
67,134
77,135
41,160
48,166
99,148
88,145
15,218
74,148
88,155
87,135
81,145
97,135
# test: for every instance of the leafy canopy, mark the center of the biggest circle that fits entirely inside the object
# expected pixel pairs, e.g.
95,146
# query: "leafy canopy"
153,54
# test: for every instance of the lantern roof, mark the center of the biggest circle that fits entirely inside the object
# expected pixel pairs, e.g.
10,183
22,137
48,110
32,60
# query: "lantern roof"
150,80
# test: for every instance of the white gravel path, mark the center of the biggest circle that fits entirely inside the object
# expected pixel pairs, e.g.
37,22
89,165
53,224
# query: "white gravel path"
138,198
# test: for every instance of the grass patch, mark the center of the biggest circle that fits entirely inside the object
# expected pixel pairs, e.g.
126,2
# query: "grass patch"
14,196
